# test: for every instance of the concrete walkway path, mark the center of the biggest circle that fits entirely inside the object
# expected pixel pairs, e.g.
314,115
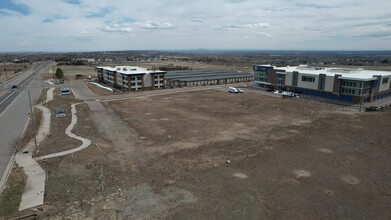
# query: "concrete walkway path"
33,193
85,142
34,190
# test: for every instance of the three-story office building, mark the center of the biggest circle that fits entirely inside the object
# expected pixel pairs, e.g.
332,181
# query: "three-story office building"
131,77
352,85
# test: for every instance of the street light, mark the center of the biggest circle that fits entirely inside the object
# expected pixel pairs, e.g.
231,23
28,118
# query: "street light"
32,120
33,124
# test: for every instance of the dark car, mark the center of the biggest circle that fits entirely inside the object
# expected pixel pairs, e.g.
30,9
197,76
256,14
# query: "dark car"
14,86
372,109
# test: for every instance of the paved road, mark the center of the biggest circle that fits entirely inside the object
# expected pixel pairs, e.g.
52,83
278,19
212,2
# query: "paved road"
14,107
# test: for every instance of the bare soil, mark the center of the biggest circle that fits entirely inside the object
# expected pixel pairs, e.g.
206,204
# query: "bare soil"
72,71
214,155
230,66
11,70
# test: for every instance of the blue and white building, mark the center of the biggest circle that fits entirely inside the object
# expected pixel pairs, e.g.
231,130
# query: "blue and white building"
352,85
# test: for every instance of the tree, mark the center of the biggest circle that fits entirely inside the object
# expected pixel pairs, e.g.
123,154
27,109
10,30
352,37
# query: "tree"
59,74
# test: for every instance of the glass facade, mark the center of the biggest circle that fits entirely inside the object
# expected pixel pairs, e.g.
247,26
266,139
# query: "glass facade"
260,76
355,88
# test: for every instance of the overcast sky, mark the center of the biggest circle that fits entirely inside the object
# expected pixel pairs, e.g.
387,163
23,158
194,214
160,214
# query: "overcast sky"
91,25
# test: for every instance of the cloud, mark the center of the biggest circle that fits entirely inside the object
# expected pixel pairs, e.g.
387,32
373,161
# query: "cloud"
269,24
262,25
102,12
236,27
123,20
154,25
264,34
23,43
117,28
54,18
315,6
73,2
234,1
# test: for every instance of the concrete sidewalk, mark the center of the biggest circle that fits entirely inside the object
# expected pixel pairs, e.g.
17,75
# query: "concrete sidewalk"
33,193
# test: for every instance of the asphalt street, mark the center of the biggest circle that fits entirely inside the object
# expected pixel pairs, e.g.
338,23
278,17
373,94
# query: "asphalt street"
14,109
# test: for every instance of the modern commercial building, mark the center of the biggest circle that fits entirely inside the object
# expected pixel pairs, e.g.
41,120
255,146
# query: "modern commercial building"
131,77
351,85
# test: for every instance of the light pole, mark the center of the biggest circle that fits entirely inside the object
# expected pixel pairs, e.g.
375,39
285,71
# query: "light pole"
32,121
5,70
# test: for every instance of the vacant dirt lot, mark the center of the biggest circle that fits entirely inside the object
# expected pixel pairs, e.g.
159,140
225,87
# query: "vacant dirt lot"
11,70
214,155
72,71
238,66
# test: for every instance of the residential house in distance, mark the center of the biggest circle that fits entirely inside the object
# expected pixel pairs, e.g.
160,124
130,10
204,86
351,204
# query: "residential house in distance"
351,85
131,77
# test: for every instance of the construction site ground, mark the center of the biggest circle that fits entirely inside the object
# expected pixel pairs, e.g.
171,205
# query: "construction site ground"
215,155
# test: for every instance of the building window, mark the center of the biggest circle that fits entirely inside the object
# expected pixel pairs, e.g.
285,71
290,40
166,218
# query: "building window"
385,80
308,78
263,79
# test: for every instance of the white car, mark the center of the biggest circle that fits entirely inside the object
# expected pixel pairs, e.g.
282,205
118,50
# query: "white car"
233,90
240,90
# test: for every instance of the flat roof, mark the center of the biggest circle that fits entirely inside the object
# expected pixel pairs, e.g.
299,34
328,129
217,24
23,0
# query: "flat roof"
200,75
130,70
346,73
206,74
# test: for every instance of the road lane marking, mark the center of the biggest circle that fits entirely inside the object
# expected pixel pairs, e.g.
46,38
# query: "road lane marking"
1,114
7,97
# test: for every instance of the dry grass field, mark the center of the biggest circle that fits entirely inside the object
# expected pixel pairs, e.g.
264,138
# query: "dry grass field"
72,71
243,67
11,70
214,155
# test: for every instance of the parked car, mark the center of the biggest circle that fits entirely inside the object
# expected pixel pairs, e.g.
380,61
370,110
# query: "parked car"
270,89
65,91
233,90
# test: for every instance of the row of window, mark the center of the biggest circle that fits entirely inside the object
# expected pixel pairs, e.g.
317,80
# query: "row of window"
352,84
381,96
308,78
350,91
326,95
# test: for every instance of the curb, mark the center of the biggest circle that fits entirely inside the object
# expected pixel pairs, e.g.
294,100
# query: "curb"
7,172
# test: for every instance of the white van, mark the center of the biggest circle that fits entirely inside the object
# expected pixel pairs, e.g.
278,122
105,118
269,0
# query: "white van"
233,90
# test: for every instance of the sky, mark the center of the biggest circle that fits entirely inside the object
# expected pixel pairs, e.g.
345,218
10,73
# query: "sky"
96,25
